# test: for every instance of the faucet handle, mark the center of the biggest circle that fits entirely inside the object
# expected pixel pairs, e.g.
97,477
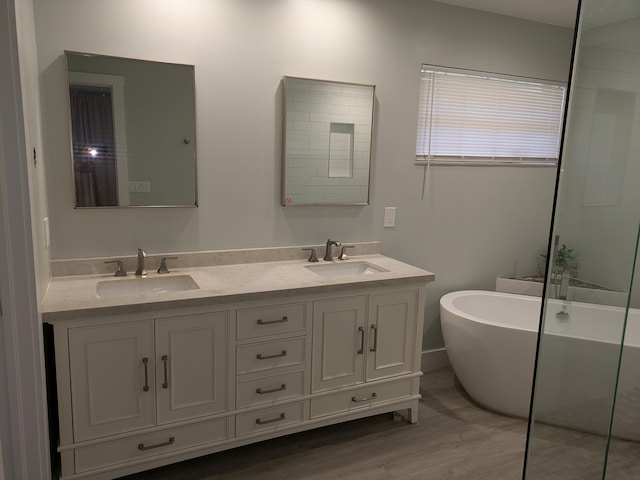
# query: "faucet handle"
120,272
163,264
343,255
313,257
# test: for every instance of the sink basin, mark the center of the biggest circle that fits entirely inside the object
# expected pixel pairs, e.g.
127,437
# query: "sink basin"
345,269
144,285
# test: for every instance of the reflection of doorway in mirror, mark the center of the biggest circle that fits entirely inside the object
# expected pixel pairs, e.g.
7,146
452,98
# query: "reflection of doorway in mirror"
94,159
99,139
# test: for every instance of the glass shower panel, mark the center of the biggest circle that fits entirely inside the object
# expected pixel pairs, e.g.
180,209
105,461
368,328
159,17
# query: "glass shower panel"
592,262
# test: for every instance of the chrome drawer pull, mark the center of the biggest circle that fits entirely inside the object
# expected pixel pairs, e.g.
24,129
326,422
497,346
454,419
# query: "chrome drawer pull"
145,361
361,349
273,420
164,361
364,399
269,322
283,353
260,391
142,447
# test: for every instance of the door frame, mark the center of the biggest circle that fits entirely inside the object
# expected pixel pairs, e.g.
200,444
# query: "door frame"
23,420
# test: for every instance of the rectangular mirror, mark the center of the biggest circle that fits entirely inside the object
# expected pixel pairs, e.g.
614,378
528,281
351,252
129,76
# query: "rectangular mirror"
327,135
133,132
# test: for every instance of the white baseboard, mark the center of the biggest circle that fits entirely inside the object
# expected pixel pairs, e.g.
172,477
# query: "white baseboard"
434,359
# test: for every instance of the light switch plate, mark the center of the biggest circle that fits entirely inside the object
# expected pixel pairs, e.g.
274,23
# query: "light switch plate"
389,217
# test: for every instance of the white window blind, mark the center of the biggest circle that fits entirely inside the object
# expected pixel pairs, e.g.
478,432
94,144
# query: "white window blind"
483,118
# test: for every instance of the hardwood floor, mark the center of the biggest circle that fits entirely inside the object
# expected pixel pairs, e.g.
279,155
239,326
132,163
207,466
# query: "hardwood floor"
453,439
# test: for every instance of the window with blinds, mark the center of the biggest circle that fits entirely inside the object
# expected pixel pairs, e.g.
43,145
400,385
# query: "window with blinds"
468,117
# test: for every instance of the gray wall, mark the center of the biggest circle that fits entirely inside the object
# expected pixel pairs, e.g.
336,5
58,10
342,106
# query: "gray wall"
33,131
475,223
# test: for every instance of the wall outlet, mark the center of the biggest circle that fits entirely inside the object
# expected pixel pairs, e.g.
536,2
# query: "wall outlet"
389,217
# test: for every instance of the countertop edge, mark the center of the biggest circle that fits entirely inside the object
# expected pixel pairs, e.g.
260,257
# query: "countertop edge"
215,300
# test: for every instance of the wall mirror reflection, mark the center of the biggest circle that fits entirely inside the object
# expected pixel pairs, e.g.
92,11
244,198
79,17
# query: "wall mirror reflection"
327,135
133,130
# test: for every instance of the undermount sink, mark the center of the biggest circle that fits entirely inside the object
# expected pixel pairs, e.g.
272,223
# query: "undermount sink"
345,269
144,285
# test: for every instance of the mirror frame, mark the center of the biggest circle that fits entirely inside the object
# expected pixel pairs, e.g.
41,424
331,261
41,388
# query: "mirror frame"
192,139
286,202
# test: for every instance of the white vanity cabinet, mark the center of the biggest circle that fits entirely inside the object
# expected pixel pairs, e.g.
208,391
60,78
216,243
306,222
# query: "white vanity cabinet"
130,382
139,374
191,366
363,340
112,379
121,381
141,390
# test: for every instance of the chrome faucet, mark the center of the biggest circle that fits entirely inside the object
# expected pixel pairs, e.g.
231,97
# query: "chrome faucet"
327,252
120,272
343,254
141,256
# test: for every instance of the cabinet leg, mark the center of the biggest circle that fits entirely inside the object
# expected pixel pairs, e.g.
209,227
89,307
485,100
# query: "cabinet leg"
412,415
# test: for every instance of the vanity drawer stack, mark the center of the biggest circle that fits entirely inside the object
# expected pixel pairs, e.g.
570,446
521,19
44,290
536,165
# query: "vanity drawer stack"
272,362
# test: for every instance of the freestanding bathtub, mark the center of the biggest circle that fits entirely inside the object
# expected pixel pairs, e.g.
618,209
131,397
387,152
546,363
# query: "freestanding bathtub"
491,339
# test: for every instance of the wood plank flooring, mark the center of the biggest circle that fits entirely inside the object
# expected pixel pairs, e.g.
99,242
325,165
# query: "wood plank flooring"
454,439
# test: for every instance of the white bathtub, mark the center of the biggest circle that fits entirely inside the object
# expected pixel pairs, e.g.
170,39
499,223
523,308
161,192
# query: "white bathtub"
491,338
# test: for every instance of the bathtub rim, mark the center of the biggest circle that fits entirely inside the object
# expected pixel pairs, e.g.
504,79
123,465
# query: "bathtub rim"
446,302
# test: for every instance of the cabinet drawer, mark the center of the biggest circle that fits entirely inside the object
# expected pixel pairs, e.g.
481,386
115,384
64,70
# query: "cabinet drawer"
157,443
269,419
269,389
257,322
362,397
256,357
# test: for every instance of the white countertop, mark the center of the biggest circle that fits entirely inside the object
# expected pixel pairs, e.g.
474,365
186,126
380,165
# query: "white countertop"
75,296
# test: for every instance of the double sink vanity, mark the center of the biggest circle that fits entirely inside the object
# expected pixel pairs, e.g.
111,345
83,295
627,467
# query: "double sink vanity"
208,351
227,349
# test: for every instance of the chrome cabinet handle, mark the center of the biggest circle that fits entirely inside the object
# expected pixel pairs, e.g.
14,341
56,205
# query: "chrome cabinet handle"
282,387
142,447
273,420
164,362
374,330
145,362
260,356
269,322
361,349
364,399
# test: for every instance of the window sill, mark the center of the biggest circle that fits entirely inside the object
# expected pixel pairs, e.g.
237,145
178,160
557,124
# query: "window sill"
488,162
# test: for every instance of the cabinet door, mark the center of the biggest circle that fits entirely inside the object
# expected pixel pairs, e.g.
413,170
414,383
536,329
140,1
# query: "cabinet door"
338,342
191,366
391,332
112,378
